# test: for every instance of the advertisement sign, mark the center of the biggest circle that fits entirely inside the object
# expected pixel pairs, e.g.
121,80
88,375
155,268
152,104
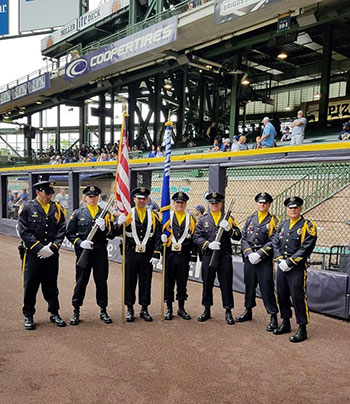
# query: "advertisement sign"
4,17
42,14
145,40
226,10
338,108
82,22
29,87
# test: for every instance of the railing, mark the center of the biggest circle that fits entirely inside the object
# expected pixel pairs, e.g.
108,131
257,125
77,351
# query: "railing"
318,185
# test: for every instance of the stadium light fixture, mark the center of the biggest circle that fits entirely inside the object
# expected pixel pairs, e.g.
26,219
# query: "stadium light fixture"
282,55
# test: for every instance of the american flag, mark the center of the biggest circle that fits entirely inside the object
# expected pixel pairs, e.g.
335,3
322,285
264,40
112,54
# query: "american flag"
122,180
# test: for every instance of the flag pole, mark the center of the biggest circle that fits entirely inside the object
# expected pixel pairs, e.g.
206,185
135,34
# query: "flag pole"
169,125
123,276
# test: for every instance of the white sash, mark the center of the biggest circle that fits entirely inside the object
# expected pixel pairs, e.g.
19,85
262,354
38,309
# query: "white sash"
185,233
148,231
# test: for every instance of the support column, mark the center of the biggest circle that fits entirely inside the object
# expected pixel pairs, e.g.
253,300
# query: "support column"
28,143
32,179
217,179
157,104
325,75
4,196
58,133
181,84
41,132
73,192
102,121
111,140
132,12
234,110
131,112
202,96
83,112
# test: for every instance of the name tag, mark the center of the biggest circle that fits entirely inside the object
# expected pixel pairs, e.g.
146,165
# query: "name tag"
140,248
176,246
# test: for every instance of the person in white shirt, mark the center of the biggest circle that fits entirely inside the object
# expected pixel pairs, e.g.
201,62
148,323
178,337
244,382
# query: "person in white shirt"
298,129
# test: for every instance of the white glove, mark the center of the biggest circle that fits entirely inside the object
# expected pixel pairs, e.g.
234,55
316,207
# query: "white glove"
283,266
154,261
45,252
214,245
254,258
87,244
121,219
101,223
225,225
164,238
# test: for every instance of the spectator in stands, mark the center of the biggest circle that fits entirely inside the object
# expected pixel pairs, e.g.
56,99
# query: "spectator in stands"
103,201
212,132
153,205
62,198
235,143
268,135
286,135
243,143
159,152
9,196
153,152
298,129
226,145
74,54
345,133
257,144
24,196
199,211
16,198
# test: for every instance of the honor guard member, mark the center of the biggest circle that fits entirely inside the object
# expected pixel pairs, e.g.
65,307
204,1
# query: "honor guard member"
204,238
42,227
180,251
142,251
292,245
78,229
257,251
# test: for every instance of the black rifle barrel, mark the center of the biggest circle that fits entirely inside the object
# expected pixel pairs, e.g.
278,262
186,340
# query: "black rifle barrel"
214,260
83,259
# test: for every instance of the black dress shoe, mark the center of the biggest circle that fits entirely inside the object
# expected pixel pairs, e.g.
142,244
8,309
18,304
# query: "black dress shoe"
183,314
29,323
228,317
246,316
284,328
300,335
55,318
75,320
205,315
130,316
105,317
273,324
168,314
145,315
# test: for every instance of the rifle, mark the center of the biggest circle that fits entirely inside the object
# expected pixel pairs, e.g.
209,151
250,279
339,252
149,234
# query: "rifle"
214,260
83,259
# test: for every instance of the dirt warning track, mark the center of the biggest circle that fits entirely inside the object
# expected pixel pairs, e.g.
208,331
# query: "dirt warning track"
160,362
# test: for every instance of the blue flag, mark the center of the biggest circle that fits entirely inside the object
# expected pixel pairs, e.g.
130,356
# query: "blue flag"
165,203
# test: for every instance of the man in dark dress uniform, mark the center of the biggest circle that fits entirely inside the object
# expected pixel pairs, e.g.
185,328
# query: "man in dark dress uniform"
41,225
78,228
180,251
292,244
142,251
204,238
257,236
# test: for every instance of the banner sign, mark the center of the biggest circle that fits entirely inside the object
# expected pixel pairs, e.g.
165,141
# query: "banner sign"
28,88
283,23
82,22
338,108
43,14
4,17
226,10
145,40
